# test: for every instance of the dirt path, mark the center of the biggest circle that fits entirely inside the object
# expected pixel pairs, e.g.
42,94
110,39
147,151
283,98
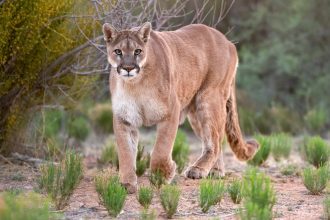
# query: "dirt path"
293,200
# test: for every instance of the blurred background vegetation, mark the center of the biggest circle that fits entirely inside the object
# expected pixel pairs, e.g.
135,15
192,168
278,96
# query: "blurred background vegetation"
54,73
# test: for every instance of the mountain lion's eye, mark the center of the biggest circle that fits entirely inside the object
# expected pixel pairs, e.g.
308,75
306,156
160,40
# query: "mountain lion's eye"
137,51
118,52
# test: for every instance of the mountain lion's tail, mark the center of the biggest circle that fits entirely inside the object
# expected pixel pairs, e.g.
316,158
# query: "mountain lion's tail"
243,150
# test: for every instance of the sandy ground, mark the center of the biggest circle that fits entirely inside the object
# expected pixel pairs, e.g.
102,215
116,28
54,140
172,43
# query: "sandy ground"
292,199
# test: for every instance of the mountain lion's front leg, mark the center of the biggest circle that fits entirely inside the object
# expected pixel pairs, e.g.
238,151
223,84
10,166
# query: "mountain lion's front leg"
127,141
161,157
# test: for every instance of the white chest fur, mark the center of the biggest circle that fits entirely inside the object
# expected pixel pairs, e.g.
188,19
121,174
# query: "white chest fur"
142,107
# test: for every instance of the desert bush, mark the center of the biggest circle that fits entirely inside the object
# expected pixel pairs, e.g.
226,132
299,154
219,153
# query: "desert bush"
52,122
253,211
142,161
112,193
315,180
211,192
316,119
157,178
79,128
264,150
259,195
290,170
102,118
148,215
169,198
40,28
145,195
235,190
141,166
317,151
281,145
109,155
326,207
180,151
27,206
59,181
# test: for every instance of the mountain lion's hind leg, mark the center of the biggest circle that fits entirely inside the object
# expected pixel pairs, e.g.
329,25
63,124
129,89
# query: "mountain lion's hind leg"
211,114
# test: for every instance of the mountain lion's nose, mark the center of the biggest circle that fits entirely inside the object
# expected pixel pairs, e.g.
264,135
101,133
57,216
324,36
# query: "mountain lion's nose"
128,68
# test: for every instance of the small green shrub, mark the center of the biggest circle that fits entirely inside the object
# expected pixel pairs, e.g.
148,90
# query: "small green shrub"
102,118
253,211
109,155
145,195
27,206
281,146
142,161
326,207
157,178
53,122
112,193
60,181
141,167
265,147
317,151
180,151
316,119
235,190
290,170
259,195
315,180
169,198
210,193
145,215
79,128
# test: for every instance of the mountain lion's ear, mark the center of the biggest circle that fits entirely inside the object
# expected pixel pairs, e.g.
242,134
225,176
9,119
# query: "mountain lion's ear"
144,32
109,32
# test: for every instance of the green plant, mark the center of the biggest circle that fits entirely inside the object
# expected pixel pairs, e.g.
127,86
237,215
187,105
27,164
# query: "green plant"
180,151
18,177
52,122
281,145
235,190
316,120
27,206
102,118
109,155
265,147
145,215
253,211
326,207
28,82
157,178
290,170
315,180
259,195
79,128
317,151
112,193
145,195
169,197
59,181
142,161
210,193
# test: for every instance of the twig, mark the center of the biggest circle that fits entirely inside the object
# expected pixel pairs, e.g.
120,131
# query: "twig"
5,159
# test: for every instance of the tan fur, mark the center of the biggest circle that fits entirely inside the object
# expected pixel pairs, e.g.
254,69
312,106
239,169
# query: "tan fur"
190,71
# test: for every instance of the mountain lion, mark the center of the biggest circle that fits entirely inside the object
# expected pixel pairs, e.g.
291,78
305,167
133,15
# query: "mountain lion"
159,78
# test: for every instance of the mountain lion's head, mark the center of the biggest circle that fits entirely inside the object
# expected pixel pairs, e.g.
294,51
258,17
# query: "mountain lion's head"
127,49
